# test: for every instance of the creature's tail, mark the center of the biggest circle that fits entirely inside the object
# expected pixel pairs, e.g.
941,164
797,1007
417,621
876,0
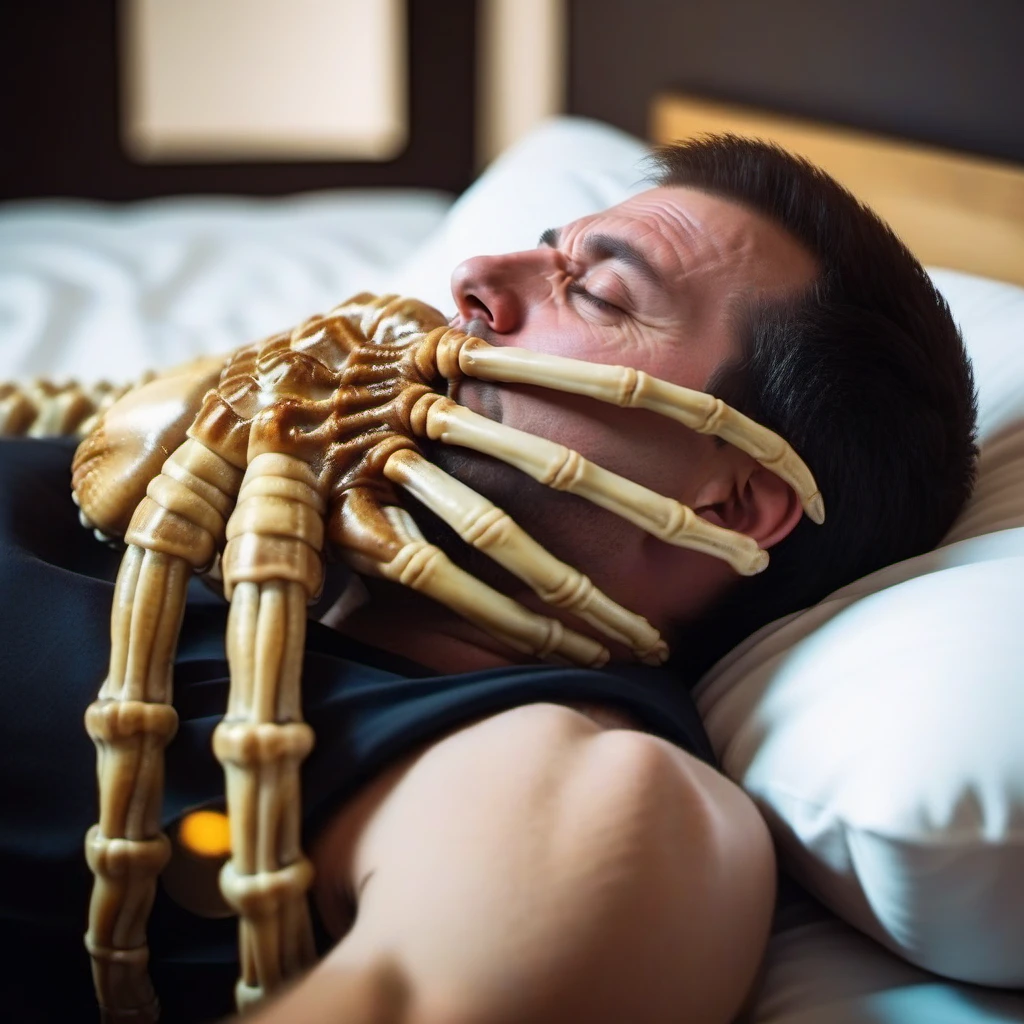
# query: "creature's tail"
46,409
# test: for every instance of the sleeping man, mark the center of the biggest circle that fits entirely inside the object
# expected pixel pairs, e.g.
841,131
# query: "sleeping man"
497,840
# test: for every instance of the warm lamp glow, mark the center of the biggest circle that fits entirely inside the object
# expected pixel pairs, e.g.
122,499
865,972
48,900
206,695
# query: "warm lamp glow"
206,833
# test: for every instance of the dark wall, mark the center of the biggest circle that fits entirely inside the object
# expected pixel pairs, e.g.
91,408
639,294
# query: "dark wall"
59,106
948,72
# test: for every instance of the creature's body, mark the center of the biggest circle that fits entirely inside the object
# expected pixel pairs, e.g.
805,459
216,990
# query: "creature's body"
261,465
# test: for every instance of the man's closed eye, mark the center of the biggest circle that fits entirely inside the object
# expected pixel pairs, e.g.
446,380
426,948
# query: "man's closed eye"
598,303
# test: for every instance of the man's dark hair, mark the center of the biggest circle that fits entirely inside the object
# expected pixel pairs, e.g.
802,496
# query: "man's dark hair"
864,374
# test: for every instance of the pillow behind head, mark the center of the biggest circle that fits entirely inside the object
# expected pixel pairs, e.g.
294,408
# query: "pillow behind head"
567,168
880,731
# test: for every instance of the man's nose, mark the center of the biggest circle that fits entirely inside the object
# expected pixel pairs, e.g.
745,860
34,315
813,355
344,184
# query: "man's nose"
499,289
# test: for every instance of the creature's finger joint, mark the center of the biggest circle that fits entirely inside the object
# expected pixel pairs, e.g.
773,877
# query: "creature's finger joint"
564,472
679,520
284,517
553,639
261,894
575,592
110,721
249,745
632,386
713,418
774,459
115,857
262,558
137,957
182,500
157,528
427,416
415,564
491,529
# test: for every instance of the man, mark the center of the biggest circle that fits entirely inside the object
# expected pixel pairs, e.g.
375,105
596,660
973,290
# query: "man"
549,848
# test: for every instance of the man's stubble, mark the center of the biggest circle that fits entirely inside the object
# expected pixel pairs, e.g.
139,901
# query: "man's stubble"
569,527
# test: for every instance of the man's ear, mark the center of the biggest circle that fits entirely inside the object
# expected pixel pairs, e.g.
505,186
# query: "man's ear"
755,502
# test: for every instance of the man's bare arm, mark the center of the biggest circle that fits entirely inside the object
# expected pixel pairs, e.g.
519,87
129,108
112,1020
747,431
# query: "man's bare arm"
536,867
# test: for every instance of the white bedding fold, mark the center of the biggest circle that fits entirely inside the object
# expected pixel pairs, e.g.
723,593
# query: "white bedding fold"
93,291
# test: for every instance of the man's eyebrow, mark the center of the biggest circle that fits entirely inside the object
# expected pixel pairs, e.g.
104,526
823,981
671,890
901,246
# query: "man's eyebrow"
600,246
607,247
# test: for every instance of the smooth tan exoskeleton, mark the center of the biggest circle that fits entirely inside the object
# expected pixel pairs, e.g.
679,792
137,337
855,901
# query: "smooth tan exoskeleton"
263,464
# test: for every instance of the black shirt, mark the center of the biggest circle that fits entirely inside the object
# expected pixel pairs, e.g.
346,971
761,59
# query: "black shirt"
366,709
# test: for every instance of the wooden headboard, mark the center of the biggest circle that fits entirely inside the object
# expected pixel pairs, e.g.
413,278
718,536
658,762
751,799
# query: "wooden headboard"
952,210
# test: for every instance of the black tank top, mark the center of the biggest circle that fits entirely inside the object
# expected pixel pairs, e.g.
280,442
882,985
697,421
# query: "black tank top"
366,708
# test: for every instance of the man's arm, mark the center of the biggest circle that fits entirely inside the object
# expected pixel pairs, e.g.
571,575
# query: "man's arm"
535,867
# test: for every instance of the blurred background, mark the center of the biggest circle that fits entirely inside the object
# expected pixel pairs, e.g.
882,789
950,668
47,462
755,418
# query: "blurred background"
127,99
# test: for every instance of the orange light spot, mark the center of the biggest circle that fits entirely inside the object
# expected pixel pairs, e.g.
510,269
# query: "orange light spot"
206,833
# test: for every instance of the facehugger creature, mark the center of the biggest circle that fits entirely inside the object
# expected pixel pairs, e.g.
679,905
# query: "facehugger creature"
261,464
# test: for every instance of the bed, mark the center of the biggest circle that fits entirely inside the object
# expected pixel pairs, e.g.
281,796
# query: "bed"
879,732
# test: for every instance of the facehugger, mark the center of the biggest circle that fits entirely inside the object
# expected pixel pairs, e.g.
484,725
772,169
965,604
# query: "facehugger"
263,462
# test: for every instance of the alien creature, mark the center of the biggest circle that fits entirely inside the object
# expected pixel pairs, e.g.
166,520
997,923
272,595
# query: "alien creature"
258,466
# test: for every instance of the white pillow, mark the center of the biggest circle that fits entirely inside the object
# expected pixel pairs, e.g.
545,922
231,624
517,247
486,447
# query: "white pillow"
564,169
881,731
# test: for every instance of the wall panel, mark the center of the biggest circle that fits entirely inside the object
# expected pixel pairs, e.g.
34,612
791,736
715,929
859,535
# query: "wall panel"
59,111
947,72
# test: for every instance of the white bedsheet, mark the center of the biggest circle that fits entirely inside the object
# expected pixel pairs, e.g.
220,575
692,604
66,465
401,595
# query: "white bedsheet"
94,292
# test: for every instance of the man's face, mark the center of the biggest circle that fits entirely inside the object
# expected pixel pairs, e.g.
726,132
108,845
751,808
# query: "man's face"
653,283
